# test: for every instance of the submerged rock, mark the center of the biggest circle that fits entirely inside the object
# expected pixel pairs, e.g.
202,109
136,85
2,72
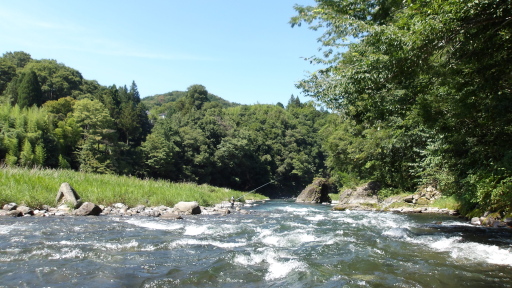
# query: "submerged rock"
171,216
317,192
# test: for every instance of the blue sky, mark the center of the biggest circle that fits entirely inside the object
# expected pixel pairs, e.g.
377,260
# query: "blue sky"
242,51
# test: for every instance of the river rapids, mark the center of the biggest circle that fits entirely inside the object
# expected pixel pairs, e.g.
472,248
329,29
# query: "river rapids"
279,244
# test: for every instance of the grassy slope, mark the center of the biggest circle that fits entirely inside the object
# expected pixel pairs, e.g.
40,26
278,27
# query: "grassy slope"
39,187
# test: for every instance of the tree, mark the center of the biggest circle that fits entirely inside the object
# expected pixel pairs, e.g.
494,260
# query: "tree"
7,73
18,58
197,95
97,151
161,152
60,108
417,70
56,79
29,90
134,93
129,122
110,99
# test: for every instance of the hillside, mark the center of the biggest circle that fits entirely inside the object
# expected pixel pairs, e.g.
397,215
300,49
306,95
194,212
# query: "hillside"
169,97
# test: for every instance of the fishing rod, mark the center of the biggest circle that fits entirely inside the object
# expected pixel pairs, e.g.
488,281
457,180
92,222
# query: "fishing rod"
257,188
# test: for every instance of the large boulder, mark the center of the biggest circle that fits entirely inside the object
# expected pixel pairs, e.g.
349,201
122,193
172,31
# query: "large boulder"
316,192
68,195
363,197
87,209
25,210
10,206
188,207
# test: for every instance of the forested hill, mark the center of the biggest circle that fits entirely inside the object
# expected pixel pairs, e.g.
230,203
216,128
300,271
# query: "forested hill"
420,93
162,100
50,116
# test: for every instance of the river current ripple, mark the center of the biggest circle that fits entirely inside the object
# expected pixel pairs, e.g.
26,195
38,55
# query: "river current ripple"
280,244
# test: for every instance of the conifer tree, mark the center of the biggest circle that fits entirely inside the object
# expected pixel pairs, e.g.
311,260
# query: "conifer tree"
29,90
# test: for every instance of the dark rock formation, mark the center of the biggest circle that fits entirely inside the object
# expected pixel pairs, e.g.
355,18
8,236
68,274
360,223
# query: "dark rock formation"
317,192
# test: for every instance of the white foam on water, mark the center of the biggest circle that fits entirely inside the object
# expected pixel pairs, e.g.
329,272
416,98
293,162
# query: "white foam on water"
287,239
5,229
116,246
473,251
193,230
98,245
279,269
299,225
193,242
67,253
397,233
372,219
457,248
295,210
279,263
317,217
154,225
456,223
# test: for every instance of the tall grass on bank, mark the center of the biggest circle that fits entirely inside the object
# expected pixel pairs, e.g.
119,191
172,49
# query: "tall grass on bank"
38,187
448,202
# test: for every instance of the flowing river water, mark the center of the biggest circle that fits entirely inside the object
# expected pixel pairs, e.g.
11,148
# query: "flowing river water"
280,244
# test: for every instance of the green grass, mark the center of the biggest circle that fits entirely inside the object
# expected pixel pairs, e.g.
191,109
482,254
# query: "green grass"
37,187
446,202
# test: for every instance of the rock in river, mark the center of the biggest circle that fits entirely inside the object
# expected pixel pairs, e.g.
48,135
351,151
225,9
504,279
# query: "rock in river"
317,192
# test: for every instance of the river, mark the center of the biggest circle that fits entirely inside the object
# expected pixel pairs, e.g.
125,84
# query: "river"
280,244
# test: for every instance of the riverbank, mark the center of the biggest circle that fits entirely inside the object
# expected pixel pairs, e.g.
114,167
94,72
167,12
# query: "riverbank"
123,210
37,188
428,200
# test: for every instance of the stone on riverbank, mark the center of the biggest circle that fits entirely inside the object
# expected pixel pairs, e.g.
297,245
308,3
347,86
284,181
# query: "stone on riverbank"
88,209
361,198
67,194
10,207
317,192
188,208
25,210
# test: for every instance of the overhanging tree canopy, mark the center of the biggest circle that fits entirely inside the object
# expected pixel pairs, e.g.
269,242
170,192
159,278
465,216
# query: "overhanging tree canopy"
436,72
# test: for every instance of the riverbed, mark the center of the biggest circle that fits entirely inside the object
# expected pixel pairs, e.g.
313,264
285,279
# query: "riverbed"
279,244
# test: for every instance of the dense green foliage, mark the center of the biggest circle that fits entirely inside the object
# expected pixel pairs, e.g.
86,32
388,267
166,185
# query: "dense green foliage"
159,104
422,90
51,117
38,187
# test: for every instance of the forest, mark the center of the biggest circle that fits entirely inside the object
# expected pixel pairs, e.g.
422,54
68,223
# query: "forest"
418,93
423,94
51,117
